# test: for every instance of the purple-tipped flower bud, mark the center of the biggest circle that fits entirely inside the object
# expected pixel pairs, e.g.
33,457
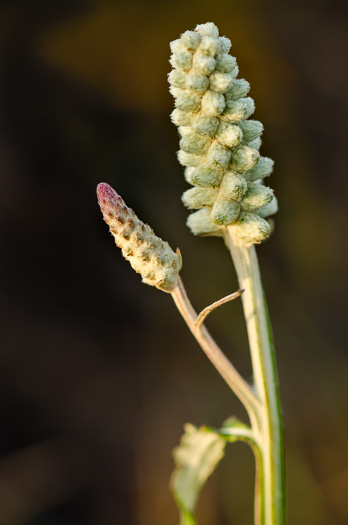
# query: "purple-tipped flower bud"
148,255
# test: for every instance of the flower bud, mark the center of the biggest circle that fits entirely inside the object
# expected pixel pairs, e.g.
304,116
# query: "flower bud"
207,175
197,83
244,158
210,46
255,144
182,60
249,106
251,228
188,174
235,72
148,255
233,186
225,63
194,143
181,118
177,46
203,64
235,110
206,125
220,82
188,159
252,129
175,91
257,196
184,130
188,102
196,198
238,89
213,103
262,169
219,154
224,211
269,210
229,135
208,29
200,223
177,78
225,44
191,40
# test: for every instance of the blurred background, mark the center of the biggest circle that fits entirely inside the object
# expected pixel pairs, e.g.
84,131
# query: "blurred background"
98,373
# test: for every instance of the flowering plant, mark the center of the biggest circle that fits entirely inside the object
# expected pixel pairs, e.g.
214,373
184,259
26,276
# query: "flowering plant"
219,148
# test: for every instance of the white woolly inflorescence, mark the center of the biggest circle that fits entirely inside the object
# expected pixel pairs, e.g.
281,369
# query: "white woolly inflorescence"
148,255
219,146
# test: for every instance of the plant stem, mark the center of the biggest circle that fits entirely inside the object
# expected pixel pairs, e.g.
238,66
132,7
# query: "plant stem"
239,386
269,496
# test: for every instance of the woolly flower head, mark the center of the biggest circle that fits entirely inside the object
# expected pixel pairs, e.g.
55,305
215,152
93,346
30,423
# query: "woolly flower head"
148,255
219,144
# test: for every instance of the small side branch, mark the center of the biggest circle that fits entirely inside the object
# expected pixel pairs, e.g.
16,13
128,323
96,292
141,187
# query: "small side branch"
204,313
234,380
241,434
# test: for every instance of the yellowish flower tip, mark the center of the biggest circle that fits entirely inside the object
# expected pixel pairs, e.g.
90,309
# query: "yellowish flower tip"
219,144
148,255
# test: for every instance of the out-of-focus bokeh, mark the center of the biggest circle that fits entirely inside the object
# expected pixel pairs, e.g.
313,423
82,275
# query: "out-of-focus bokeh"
98,373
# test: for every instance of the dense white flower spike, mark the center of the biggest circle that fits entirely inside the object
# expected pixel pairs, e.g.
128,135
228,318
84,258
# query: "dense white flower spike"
148,255
219,146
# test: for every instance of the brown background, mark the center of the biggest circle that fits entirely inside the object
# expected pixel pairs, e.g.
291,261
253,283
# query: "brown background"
98,373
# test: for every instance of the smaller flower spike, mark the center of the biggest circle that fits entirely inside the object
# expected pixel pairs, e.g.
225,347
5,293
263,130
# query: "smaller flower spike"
148,255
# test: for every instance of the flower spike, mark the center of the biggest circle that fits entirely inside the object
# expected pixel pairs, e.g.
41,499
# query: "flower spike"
148,255
219,145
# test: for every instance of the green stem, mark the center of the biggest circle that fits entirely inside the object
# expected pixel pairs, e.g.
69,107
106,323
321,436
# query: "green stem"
269,496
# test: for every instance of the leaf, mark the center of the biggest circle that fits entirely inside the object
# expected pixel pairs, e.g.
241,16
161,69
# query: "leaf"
196,457
199,453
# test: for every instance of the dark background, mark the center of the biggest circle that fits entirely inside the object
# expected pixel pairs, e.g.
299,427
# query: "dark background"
98,373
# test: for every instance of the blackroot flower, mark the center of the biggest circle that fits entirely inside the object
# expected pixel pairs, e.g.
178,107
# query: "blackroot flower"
148,255
219,144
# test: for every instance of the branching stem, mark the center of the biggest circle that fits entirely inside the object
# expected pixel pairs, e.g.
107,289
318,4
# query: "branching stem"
241,434
234,380
261,402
